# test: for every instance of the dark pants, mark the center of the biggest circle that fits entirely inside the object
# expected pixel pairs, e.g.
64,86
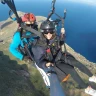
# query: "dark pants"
68,68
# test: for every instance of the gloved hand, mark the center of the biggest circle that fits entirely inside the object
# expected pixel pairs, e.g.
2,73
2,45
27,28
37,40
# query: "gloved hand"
62,30
49,64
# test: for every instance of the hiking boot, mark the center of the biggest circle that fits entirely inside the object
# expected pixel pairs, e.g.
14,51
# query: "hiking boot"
90,91
92,79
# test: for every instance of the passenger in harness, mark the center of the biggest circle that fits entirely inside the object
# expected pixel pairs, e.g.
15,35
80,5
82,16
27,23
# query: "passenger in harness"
47,52
17,46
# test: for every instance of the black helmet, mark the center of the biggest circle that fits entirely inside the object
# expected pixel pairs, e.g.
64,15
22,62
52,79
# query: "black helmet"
47,25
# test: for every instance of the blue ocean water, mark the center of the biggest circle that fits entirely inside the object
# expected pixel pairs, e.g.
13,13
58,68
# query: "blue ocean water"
80,23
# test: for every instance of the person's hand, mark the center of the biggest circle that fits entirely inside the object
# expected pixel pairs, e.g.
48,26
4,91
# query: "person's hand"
62,30
49,64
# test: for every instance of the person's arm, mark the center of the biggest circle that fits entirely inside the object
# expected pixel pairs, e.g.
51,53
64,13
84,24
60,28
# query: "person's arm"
14,46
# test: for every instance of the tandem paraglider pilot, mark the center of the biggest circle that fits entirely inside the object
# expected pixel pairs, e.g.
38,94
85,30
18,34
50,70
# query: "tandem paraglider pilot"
47,52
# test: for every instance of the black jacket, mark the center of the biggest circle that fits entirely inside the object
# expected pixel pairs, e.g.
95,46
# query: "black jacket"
40,53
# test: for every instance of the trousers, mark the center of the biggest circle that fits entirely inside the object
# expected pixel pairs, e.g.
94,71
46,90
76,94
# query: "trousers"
67,66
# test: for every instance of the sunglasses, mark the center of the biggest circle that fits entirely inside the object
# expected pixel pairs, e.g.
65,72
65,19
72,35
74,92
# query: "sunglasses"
48,31
29,25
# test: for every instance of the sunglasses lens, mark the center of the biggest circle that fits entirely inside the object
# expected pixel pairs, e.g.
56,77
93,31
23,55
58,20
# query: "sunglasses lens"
45,32
51,32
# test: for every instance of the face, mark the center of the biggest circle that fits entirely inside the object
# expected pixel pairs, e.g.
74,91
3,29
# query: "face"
48,36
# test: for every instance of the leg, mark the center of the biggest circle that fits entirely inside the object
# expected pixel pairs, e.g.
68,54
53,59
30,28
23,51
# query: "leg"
70,70
80,66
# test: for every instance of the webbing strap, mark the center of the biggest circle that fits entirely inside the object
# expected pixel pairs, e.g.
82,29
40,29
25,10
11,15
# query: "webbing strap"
30,29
